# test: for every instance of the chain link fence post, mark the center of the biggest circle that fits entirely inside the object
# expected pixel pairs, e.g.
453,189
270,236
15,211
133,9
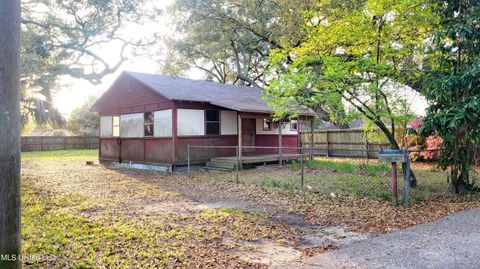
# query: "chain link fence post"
188,159
406,191
238,162
303,169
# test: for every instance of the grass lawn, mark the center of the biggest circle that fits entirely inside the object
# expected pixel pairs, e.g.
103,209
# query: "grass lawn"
80,216
78,154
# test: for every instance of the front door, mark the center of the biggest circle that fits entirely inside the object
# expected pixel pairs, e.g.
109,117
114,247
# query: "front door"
248,133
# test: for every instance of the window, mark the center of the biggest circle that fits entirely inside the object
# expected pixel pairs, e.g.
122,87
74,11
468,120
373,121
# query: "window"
148,123
130,86
293,125
212,122
267,124
116,126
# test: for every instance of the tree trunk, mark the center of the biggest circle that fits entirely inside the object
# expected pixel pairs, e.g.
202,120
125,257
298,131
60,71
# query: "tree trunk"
10,245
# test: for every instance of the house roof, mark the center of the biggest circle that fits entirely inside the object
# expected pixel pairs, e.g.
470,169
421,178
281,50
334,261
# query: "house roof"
239,98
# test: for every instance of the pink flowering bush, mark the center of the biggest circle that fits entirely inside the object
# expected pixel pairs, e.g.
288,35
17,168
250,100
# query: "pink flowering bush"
423,149
416,124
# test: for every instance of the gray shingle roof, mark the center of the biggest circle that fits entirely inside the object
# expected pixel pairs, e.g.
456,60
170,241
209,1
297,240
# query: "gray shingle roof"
239,98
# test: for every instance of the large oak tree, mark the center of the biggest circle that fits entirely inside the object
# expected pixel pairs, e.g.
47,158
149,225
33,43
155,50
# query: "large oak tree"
63,38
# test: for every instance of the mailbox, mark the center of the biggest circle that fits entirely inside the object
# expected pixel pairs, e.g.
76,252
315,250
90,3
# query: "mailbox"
392,156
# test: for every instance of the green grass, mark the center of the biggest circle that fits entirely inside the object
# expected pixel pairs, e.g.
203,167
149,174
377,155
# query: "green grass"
61,154
53,226
352,177
345,166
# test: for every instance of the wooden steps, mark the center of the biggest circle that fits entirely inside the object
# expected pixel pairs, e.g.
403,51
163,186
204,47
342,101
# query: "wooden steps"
219,165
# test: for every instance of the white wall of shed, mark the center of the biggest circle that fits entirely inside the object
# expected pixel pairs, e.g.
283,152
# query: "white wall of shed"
228,122
106,126
163,123
132,125
285,130
190,122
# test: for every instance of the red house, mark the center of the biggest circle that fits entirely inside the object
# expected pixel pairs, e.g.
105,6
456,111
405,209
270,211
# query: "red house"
150,119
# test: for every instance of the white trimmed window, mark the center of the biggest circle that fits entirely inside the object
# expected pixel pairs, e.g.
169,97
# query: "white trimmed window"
267,124
212,122
116,126
149,120
294,125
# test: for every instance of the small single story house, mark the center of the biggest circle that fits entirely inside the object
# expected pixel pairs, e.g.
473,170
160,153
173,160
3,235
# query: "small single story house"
150,119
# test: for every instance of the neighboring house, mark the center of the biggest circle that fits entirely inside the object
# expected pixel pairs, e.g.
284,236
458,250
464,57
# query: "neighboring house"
151,119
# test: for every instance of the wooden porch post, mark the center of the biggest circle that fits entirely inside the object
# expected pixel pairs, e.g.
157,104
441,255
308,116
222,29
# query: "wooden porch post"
239,132
280,127
174,134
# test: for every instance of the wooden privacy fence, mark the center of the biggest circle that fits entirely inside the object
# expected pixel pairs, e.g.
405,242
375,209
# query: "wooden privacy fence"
342,143
40,143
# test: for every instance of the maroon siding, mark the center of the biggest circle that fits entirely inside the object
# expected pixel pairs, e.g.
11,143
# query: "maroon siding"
109,150
128,95
159,150
140,150
272,141
202,155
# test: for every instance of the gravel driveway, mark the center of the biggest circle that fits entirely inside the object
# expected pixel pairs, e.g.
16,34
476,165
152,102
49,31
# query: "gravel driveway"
450,242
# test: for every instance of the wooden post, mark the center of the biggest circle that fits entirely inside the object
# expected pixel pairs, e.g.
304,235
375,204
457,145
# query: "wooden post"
312,135
280,127
10,224
328,143
366,149
174,134
239,131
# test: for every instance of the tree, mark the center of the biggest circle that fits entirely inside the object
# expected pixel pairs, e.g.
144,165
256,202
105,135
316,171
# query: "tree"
453,88
82,121
61,38
10,132
360,57
230,41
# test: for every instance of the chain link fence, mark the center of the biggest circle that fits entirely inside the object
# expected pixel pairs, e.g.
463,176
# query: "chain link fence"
337,172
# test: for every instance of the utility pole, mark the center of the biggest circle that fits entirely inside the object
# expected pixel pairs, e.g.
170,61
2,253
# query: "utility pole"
10,231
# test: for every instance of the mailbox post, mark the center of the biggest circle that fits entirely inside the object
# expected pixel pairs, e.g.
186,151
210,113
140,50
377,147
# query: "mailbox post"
394,157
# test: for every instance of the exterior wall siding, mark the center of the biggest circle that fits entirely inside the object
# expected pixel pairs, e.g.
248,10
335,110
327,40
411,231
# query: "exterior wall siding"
272,141
158,150
127,95
202,155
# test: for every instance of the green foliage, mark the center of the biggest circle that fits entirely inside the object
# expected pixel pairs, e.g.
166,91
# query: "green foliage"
230,40
453,88
83,122
358,56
